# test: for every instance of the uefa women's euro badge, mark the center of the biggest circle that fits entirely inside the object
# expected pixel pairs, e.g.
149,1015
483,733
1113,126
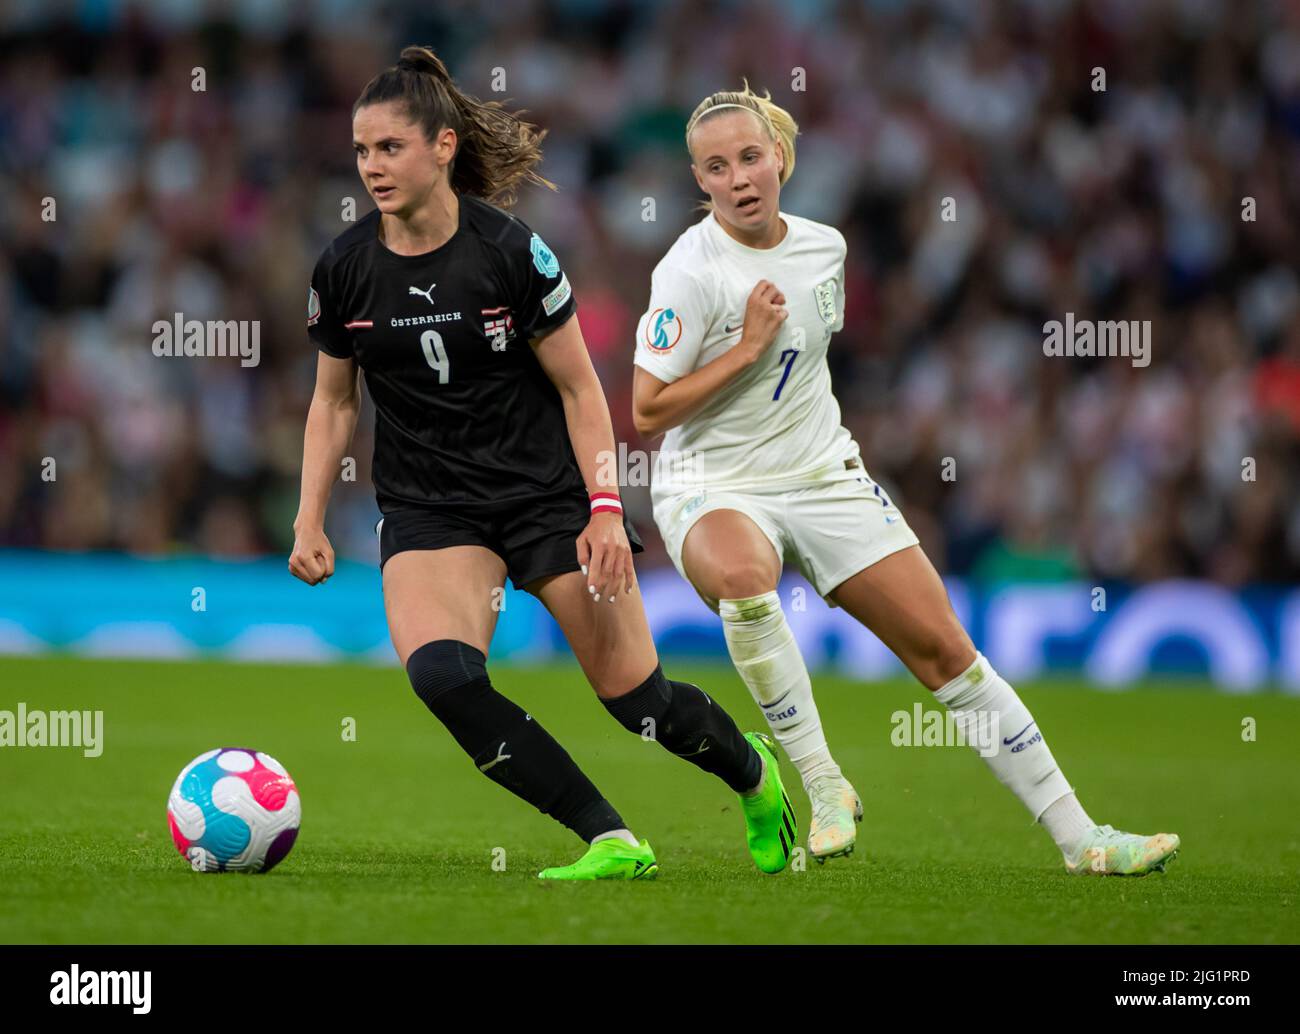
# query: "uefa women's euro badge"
543,258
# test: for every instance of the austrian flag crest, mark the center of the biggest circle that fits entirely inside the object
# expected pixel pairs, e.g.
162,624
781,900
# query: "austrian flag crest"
498,326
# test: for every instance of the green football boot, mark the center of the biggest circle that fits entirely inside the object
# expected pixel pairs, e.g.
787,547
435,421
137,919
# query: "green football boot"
612,859
1106,851
769,818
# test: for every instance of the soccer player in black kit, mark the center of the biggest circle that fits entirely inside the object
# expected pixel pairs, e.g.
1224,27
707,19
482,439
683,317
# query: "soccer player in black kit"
490,422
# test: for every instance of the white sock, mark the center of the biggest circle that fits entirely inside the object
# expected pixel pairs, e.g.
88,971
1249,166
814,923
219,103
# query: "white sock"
1067,822
982,701
767,657
624,835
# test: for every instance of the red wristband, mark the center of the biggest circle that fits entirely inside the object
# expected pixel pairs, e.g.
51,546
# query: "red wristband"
606,502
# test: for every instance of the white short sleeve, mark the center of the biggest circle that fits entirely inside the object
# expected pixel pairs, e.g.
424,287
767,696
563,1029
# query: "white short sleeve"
838,325
670,334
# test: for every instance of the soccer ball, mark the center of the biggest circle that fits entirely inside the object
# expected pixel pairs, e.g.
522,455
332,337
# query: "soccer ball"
234,810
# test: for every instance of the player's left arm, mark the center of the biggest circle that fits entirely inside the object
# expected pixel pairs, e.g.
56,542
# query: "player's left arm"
603,548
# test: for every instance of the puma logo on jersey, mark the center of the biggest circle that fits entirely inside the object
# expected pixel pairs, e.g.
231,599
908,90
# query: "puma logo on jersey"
427,295
501,756
704,745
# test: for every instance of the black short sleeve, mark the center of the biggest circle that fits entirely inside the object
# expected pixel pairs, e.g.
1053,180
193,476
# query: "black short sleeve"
324,327
543,298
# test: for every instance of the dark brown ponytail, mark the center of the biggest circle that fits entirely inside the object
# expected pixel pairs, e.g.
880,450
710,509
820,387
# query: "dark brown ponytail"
496,149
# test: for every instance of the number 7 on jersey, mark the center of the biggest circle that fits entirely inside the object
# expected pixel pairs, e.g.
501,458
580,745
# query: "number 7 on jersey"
793,354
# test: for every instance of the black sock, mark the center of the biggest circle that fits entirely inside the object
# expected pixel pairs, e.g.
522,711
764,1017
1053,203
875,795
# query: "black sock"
689,724
507,745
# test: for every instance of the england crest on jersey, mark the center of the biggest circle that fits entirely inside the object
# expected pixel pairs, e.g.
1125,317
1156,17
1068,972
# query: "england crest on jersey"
825,295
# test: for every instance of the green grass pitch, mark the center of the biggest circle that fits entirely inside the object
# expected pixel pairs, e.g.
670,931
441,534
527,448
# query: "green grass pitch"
400,832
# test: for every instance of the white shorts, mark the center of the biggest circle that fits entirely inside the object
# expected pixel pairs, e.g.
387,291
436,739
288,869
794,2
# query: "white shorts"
831,530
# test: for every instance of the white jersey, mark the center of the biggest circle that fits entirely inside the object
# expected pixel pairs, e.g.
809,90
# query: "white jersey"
778,421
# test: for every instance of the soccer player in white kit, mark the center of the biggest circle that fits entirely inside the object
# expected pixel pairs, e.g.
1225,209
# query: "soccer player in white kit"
756,469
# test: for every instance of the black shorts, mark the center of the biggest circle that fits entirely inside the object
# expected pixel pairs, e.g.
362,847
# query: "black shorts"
535,538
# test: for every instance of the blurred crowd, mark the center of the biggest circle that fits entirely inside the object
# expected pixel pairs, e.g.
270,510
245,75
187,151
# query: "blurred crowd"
1119,203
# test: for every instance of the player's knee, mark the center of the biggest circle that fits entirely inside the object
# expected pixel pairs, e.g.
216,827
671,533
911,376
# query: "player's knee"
741,580
945,656
661,709
641,709
615,679
440,666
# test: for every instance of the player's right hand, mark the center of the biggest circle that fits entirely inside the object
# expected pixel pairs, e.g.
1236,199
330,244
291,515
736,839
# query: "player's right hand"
605,556
765,311
312,558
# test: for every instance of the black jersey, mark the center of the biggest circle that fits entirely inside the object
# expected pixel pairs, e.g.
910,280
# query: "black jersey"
465,414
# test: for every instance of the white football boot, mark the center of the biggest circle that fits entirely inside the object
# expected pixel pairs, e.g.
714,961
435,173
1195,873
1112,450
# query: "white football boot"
836,810
1106,851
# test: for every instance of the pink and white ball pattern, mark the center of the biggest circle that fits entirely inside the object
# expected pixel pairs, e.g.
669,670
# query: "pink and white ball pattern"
234,810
